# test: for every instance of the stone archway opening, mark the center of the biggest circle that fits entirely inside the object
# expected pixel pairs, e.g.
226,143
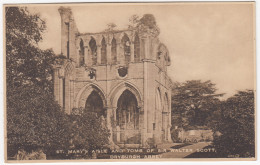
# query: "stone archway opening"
127,124
94,104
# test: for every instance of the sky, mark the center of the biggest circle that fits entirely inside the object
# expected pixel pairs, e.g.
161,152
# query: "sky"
206,41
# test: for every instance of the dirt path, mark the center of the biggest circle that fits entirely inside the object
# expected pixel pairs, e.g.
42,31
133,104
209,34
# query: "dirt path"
184,151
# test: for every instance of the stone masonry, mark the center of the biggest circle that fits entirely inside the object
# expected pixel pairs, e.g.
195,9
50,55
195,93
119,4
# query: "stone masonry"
125,71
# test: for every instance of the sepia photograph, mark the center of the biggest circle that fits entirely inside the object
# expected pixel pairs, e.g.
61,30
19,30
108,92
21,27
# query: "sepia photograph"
129,81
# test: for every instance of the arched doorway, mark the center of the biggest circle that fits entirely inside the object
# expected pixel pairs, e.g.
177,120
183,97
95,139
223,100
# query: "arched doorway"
94,103
127,130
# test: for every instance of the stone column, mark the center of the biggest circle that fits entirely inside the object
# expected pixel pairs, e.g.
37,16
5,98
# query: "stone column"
169,128
132,52
146,83
61,92
98,54
109,125
111,116
71,95
109,60
143,128
56,84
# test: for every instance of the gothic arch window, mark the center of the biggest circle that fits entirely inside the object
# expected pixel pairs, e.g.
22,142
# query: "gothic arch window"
113,51
137,48
93,50
126,47
103,51
81,53
94,104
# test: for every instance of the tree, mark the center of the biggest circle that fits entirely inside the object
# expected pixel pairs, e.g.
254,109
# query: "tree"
148,20
193,101
25,62
133,20
34,120
110,27
236,126
88,130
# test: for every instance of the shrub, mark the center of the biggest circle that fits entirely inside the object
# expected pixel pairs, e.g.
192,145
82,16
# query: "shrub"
236,127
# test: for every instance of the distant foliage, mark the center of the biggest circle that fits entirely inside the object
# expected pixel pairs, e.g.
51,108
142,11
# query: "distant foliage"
236,126
193,102
133,20
110,27
145,24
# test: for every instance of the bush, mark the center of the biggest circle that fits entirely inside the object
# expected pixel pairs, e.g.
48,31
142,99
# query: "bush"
88,130
236,127
34,120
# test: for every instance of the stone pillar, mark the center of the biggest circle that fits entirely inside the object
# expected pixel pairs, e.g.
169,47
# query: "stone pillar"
67,94
111,116
109,59
132,59
98,54
169,128
61,92
146,84
143,129
56,84
109,125
71,95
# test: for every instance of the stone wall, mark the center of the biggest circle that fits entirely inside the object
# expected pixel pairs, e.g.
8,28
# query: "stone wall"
141,68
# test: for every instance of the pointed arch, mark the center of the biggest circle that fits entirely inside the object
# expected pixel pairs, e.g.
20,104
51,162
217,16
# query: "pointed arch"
113,51
103,51
81,53
93,50
136,48
125,41
118,90
126,101
84,93
95,104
